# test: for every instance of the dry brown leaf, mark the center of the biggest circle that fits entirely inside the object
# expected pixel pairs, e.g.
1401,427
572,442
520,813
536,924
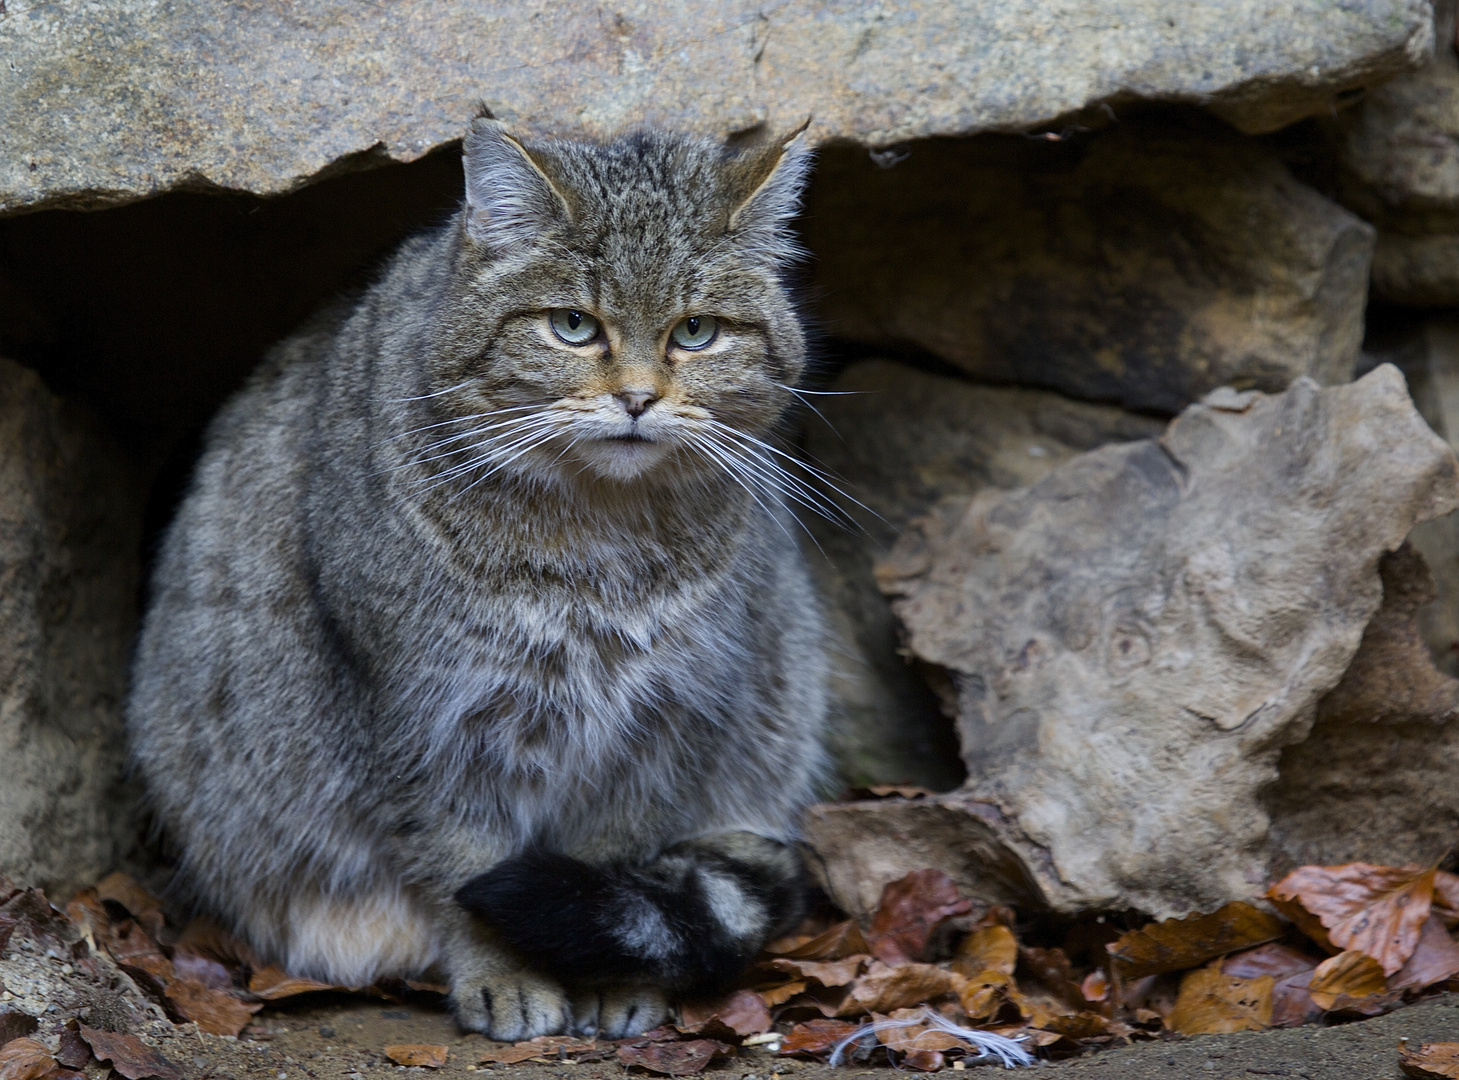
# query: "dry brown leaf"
203,970
1435,959
73,1051
204,937
15,1024
1351,974
1036,1012
910,911
215,1011
428,987
815,1036
732,1016
1047,974
546,1047
1177,944
1033,1036
778,995
980,995
1212,1003
674,1058
885,988
1378,910
423,1054
1080,1025
86,910
272,983
835,943
826,972
827,1000
1446,898
990,948
123,889
922,1060
1292,1004
1273,959
25,1059
129,1055
1431,1061
1095,986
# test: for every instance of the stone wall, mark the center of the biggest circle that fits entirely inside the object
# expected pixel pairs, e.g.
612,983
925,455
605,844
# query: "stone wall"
1037,233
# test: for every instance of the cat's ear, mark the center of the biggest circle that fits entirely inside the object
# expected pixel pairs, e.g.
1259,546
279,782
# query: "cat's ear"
769,179
510,199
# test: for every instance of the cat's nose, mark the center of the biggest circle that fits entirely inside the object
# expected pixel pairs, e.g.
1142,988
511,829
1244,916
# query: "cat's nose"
636,399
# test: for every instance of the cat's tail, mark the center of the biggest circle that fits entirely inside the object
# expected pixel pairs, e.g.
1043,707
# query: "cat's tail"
688,921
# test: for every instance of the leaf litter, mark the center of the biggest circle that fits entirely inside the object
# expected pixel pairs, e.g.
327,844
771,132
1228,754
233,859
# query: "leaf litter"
929,982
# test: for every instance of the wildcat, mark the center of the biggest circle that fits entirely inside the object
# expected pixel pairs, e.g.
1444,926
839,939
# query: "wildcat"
480,642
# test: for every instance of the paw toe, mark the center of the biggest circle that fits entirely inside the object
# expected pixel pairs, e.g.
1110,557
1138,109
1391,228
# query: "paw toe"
626,1011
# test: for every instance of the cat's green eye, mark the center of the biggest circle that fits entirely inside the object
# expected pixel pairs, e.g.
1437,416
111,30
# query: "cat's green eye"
573,326
695,332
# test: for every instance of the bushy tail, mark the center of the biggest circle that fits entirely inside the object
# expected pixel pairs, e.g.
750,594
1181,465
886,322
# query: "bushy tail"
688,921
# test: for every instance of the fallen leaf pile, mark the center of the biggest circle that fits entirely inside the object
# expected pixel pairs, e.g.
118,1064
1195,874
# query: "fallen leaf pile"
1344,942
929,982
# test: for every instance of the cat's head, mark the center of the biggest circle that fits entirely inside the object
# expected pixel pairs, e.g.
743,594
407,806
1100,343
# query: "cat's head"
626,300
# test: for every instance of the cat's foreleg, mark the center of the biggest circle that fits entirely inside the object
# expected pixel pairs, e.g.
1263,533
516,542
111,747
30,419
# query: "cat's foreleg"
685,922
492,991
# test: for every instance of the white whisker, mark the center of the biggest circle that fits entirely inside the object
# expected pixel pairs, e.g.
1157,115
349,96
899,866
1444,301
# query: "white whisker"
709,450
775,477
820,474
438,393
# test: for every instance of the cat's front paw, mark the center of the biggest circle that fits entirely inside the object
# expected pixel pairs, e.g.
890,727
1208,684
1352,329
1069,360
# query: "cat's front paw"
510,1006
618,1012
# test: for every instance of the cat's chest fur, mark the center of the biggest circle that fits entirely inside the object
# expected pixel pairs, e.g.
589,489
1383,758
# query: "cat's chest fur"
572,660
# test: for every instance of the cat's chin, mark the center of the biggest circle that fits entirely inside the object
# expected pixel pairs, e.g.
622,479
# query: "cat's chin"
622,459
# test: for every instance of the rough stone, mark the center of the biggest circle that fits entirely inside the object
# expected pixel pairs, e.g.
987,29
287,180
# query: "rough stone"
136,97
69,539
1374,781
1135,638
1399,168
1177,257
1428,355
903,439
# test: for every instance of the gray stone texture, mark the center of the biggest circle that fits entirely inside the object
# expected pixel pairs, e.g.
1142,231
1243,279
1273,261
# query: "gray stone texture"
1399,168
69,539
902,439
125,98
1135,638
1146,266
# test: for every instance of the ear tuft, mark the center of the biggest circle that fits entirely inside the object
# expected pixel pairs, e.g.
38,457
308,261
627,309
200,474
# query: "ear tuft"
510,200
771,177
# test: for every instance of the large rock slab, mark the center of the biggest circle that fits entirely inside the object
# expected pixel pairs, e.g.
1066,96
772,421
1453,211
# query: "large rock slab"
131,97
1145,266
1399,158
903,439
1135,638
69,540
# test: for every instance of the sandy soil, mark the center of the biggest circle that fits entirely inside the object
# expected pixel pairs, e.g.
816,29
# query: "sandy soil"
344,1039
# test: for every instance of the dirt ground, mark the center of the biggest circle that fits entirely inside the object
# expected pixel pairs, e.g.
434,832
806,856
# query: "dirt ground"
344,1039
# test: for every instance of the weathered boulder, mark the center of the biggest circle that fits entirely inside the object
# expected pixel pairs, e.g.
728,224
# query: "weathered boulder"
1176,259
1399,158
137,97
1135,638
1375,779
903,439
69,540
